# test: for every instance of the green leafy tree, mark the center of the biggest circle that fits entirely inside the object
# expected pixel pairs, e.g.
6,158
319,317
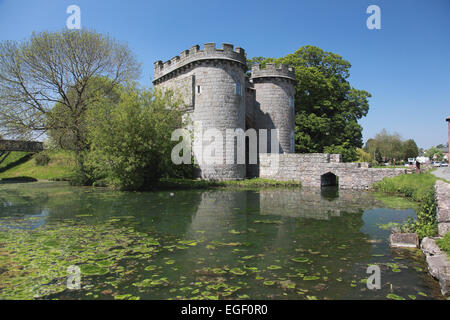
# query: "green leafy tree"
130,141
68,129
327,106
410,149
58,68
435,154
387,146
363,156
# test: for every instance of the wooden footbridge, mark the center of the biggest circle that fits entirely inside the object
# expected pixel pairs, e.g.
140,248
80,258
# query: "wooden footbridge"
8,146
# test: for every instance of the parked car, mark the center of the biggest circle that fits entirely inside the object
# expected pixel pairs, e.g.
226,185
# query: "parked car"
443,164
436,164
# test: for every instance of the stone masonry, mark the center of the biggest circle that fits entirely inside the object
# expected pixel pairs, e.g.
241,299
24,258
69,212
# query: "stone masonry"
15,145
217,95
318,169
442,190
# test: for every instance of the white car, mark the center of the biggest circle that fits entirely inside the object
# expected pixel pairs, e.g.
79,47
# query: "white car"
443,164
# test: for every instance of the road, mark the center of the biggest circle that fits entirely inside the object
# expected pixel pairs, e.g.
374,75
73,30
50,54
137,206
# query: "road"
442,172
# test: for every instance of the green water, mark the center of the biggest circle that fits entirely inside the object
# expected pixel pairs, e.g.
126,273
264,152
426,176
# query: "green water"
220,244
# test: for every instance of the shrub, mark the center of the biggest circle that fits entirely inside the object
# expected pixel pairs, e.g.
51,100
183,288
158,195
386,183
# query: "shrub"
130,142
80,177
420,188
42,159
426,224
444,243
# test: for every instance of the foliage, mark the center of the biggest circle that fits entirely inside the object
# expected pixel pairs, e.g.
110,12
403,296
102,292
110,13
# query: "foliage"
435,152
57,68
426,224
131,140
444,243
349,154
386,146
363,156
327,106
418,187
68,129
42,159
410,149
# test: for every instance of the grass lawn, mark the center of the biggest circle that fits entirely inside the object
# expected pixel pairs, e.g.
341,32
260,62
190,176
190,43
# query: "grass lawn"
415,186
22,164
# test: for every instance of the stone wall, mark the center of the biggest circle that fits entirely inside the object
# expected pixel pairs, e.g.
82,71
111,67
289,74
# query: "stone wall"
27,146
443,206
212,84
189,57
309,169
273,97
274,102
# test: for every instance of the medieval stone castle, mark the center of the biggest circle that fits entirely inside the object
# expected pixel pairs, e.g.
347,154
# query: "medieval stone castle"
217,93
213,85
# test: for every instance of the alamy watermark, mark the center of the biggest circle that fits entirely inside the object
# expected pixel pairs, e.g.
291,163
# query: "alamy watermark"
74,20
210,147
374,280
74,278
374,20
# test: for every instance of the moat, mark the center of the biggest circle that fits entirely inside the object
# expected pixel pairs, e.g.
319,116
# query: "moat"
214,244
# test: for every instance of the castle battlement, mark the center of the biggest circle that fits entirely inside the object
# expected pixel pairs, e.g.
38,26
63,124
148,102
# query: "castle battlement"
209,52
273,70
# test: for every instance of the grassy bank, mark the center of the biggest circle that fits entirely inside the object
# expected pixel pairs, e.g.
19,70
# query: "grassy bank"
419,188
414,186
203,184
20,165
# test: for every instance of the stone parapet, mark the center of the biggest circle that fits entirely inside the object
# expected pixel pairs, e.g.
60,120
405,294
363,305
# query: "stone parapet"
274,71
209,52
309,169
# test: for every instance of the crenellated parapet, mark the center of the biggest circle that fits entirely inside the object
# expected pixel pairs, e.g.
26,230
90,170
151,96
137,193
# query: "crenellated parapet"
189,57
273,70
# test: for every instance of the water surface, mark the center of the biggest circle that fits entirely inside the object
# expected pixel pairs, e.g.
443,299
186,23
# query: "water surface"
220,244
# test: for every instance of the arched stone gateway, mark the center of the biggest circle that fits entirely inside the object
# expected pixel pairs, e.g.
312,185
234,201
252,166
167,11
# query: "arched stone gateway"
321,169
328,179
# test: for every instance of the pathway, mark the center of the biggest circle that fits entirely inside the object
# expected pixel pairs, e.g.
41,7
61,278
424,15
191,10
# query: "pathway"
442,172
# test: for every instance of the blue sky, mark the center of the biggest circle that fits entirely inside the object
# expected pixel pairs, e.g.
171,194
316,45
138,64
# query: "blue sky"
405,65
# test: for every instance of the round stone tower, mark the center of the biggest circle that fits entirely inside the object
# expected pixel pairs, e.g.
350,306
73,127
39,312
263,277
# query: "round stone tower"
274,87
212,84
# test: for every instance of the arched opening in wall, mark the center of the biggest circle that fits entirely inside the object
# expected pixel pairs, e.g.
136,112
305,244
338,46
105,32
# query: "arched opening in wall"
329,179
